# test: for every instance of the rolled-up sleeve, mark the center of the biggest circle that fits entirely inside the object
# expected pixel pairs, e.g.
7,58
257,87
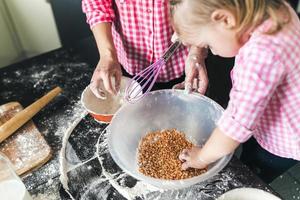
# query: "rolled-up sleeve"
255,77
98,11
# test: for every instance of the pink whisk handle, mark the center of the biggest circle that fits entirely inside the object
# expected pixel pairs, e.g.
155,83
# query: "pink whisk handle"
143,82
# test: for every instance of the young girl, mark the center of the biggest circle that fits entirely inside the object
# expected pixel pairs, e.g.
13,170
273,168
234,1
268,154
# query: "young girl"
265,96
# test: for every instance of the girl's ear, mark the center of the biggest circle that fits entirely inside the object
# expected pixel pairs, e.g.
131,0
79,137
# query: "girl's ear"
224,17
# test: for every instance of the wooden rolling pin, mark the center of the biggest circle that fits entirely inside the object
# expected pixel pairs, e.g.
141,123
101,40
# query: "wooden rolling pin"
9,127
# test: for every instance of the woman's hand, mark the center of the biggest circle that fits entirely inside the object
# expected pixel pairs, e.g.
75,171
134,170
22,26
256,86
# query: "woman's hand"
195,70
191,159
109,71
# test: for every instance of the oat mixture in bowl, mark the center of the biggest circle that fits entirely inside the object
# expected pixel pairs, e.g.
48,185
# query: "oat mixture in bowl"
158,154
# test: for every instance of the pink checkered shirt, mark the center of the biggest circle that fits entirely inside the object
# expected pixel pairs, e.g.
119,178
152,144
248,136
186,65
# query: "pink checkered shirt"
141,32
265,97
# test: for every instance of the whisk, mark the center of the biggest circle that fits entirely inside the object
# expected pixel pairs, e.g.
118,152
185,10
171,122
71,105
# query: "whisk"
143,82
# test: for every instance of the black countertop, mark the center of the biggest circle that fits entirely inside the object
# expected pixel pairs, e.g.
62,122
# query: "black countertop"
88,178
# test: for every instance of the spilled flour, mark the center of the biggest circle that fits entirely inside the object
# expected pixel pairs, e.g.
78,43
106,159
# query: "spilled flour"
56,129
63,165
138,190
108,180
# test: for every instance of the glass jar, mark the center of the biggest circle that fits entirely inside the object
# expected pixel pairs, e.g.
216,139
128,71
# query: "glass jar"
11,186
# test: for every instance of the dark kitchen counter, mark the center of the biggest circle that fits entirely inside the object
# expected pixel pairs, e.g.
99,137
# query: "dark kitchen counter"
92,177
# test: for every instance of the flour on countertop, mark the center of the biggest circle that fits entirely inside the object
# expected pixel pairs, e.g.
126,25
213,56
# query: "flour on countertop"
129,193
51,169
51,192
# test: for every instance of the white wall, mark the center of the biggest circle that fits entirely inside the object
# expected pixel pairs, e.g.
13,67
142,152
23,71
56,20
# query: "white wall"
34,25
9,50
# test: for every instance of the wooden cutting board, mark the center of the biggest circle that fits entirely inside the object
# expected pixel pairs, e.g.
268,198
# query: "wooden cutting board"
26,148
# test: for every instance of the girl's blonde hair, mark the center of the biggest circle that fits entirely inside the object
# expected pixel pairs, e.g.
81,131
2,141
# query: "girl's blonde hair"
248,13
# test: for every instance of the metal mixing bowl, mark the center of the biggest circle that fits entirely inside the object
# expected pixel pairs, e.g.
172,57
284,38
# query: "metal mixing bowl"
193,114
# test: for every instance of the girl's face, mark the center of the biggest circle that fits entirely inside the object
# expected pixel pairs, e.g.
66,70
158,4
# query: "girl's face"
219,34
220,41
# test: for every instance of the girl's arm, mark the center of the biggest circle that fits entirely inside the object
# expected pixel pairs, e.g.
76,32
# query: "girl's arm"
217,146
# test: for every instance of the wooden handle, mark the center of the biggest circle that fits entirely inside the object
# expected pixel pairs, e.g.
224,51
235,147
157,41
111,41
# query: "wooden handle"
25,115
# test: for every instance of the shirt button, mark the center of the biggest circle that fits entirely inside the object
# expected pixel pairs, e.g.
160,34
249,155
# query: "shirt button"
149,10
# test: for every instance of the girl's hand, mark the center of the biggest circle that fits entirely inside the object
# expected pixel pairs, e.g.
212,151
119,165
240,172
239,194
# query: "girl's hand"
191,158
107,69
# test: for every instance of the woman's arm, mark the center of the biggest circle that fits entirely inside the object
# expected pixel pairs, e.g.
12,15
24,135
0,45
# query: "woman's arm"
103,36
100,15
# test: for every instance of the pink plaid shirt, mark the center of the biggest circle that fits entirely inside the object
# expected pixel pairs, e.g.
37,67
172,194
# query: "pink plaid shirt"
265,97
141,32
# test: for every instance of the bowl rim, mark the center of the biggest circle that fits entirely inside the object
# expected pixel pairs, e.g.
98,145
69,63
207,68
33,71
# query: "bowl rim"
84,104
93,112
248,191
171,184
